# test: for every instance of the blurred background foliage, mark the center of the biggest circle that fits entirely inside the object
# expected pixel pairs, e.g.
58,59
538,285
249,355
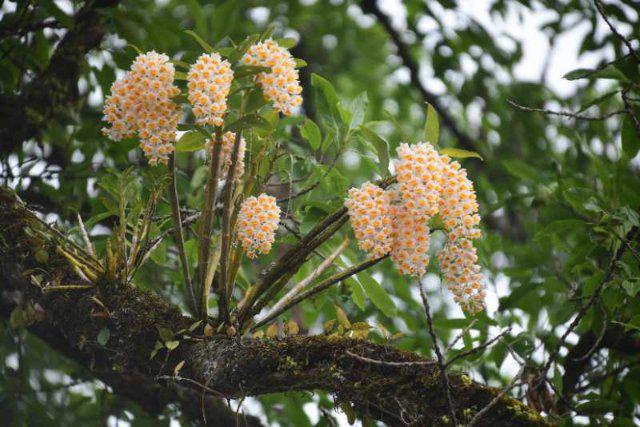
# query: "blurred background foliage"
558,195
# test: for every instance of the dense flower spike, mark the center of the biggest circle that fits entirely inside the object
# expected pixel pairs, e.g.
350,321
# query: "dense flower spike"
228,142
419,172
257,224
458,205
459,265
410,238
370,213
280,85
141,103
209,81
428,184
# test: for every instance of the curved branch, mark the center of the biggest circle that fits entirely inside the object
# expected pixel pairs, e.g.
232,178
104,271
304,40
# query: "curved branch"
219,365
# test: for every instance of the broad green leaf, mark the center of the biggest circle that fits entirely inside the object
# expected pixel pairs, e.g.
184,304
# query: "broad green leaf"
459,153
382,147
608,72
190,141
311,133
630,137
287,42
329,95
432,126
520,169
300,63
172,345
249,70
247,122
377,294
357,108
357,293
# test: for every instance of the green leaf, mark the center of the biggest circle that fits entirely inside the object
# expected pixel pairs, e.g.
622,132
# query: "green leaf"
459,153
224,19
180,75
103,336
608,72
561,228
431,126
190,141
172,345
300,63
632,286
520,169
287,42
342,317
165,334
357,108
382,147
630,137
357,293
203,44
328,95
311,133
377,294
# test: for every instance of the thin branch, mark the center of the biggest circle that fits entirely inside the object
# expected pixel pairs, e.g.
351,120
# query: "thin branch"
478,348
393,364
460,335
177,228
596,294
568,114
441,364
85,237
496,399
371,6
626,42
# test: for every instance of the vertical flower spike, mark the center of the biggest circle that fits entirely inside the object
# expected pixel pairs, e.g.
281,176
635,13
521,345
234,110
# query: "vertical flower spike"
459,265
257,224
141,103
370,213
410,238
209,81
419,173
458,205
226,151
280,85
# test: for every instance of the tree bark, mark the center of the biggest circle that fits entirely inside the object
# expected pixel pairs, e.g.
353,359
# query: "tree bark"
70,321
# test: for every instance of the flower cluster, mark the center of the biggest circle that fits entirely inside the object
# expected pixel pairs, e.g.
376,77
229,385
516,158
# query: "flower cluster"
209,80
410,239
419,173
257,224
280,85
226,151
370,213
141,103
459,264
429,184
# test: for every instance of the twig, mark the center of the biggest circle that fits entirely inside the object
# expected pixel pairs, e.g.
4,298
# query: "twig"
496,399
177,228
326,283
394,364
190,381
441,364
596,293
626,42
54,288
629,110
478,348
568,114
460,335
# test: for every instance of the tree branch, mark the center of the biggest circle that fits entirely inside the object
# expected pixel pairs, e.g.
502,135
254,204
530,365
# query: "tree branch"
232,367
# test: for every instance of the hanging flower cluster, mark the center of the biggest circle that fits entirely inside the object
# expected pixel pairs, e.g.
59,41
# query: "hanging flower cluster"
370,213
141,103
257,224
226,151
209,81
428,184
280,85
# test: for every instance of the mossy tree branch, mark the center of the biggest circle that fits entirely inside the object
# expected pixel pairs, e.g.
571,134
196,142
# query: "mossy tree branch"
398,395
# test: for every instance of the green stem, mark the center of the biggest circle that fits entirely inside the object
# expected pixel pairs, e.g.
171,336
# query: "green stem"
206,224
177,228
